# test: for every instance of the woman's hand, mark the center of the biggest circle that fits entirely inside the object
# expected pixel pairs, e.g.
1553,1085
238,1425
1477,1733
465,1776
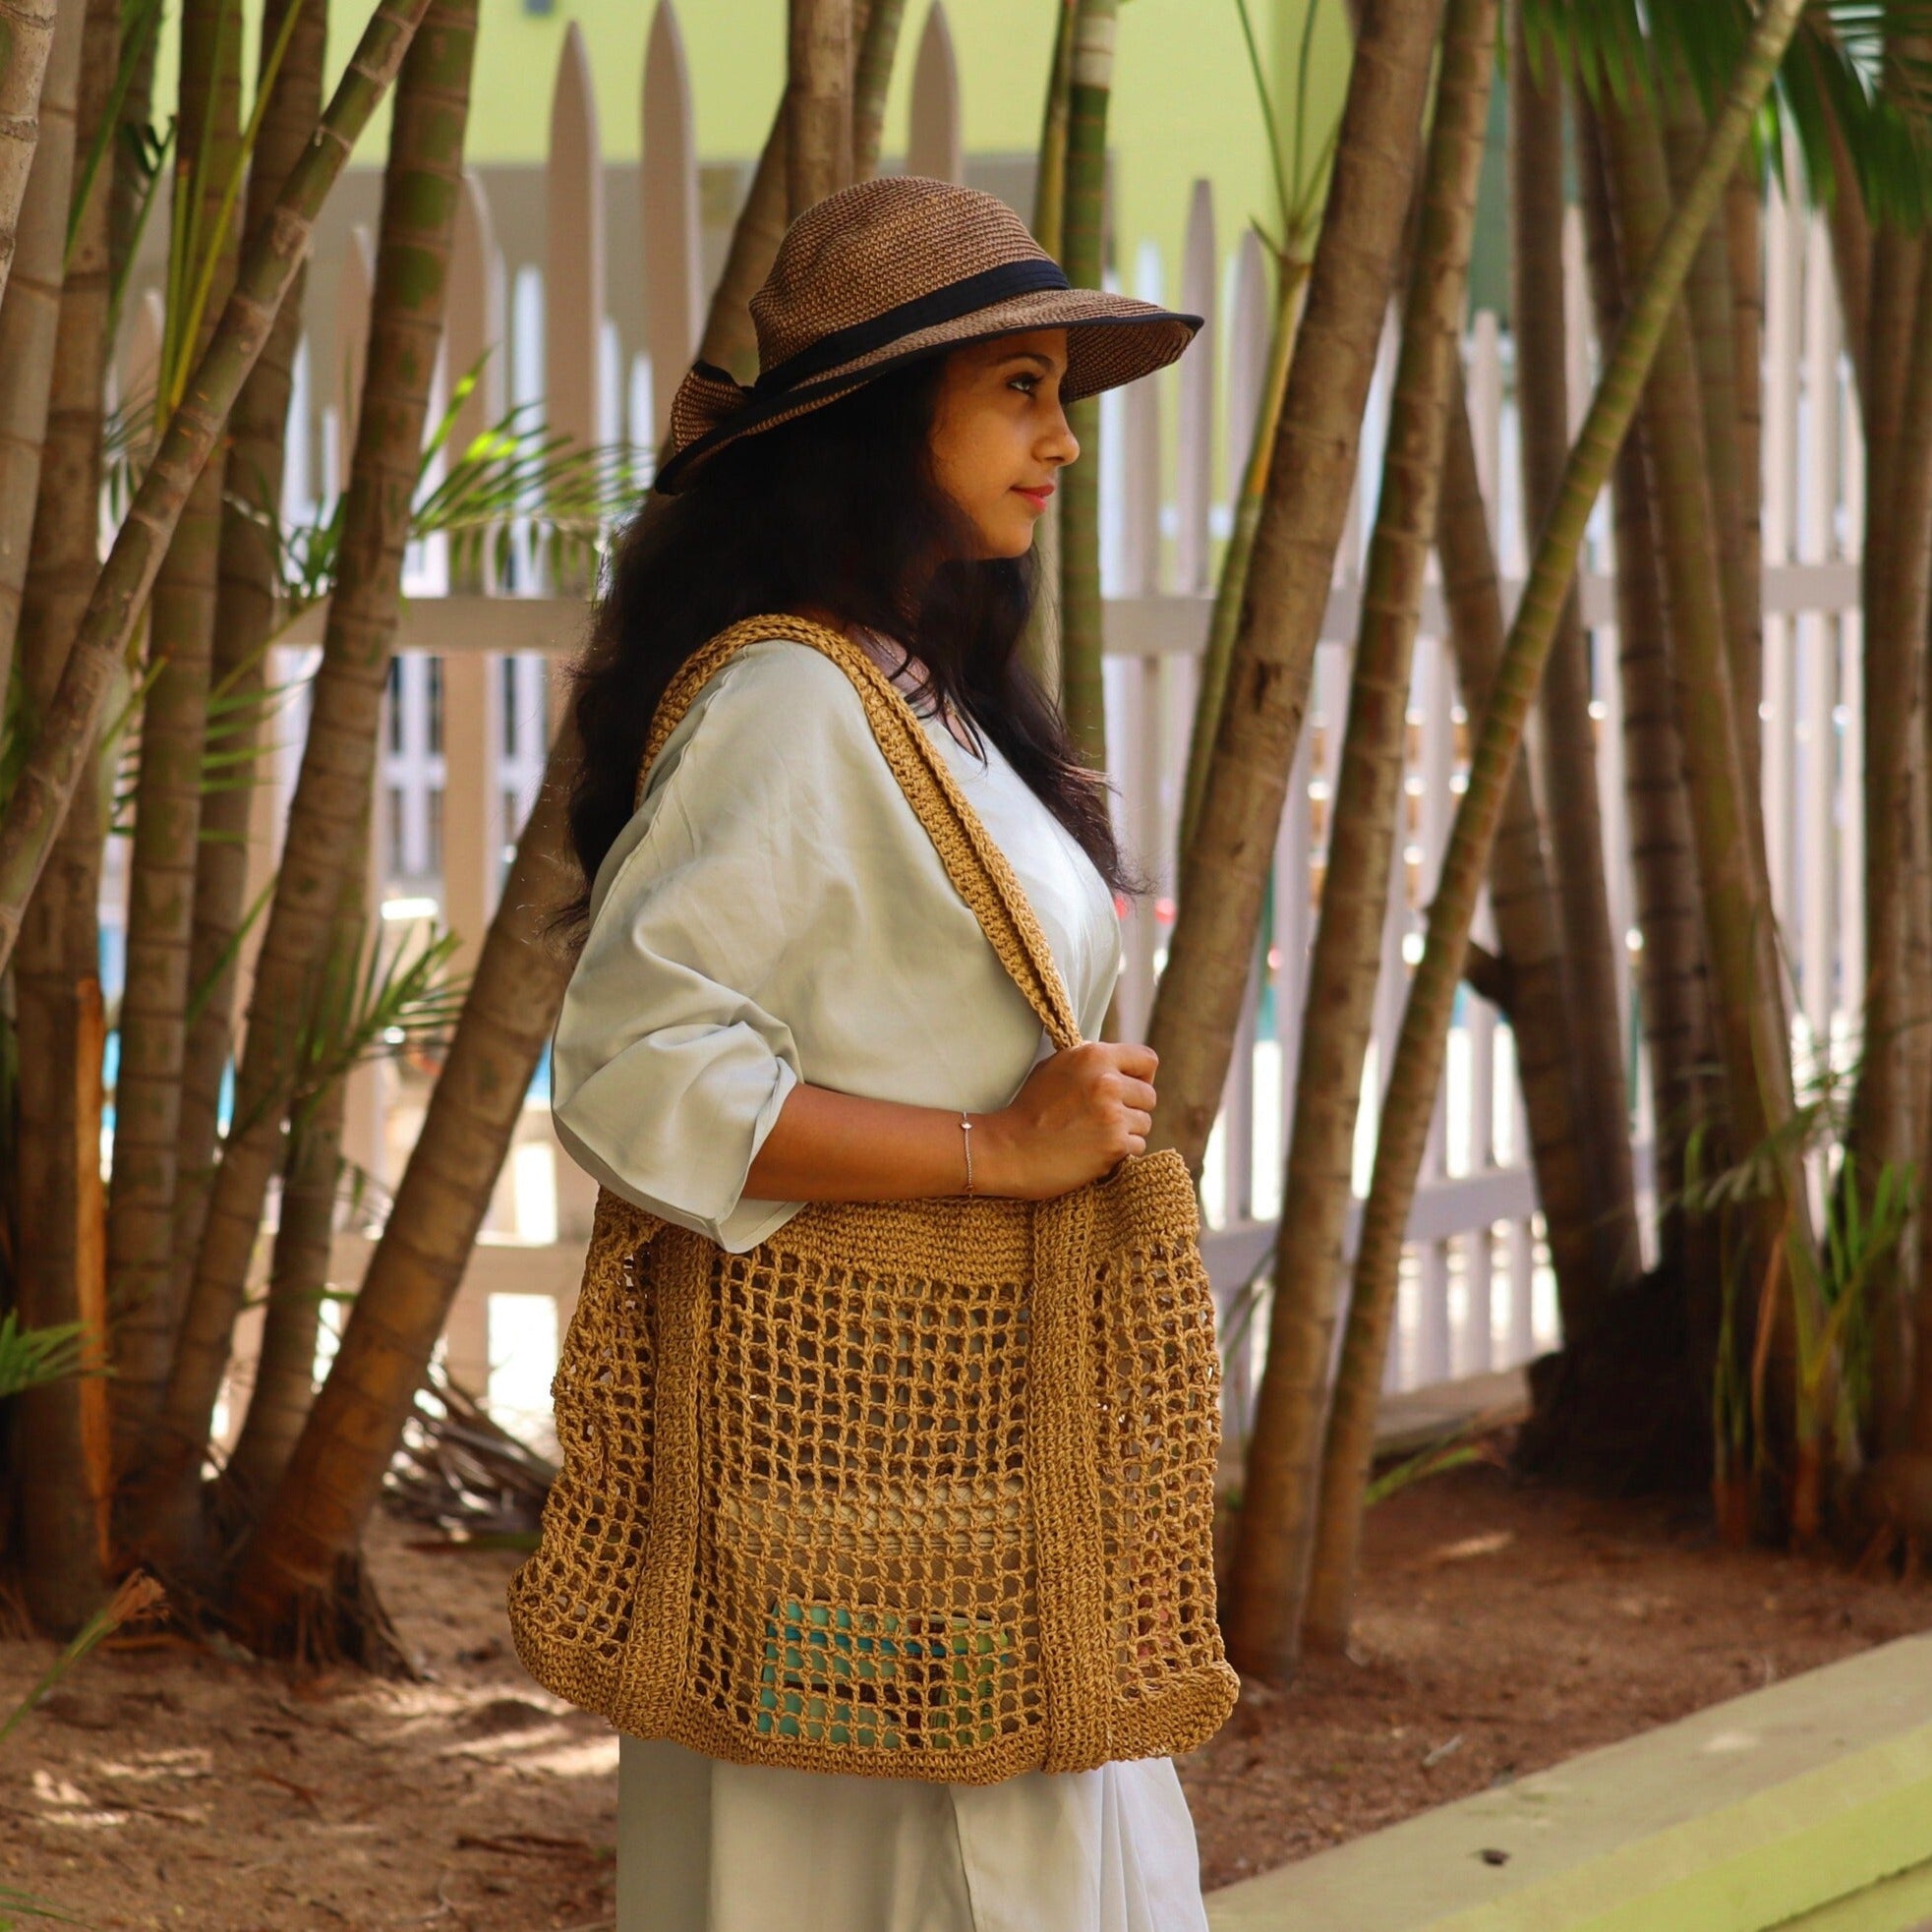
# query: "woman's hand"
1080,1115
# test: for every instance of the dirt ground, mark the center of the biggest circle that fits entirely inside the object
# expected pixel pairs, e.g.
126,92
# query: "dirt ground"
1502,1628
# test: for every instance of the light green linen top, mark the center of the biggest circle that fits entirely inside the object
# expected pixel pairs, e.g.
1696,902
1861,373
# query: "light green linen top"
774,913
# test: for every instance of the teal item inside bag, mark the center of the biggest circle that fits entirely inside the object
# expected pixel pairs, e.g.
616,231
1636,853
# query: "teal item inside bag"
825,1667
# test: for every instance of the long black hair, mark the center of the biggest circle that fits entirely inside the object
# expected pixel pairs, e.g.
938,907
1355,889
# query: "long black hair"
833,511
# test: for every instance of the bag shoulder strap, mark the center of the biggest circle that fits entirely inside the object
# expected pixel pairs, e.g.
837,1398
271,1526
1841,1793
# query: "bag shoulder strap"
978,870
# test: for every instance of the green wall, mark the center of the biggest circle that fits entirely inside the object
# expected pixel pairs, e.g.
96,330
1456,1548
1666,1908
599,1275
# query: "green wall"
1184,105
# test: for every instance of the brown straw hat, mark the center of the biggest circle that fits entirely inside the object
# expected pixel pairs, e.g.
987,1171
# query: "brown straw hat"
892,270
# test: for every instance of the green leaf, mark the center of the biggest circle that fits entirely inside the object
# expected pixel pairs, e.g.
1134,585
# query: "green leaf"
518,475
1845,75
137,1596
31,1358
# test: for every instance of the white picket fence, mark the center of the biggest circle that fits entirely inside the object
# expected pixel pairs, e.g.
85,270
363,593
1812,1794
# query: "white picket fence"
473,699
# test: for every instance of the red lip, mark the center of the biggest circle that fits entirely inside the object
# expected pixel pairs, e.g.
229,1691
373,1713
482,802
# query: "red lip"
1039,495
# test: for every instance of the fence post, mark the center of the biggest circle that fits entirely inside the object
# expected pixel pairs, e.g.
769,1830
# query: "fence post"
573,249
932,139
1783,245
674,271
472,838
475,334
354,287
1851,446
1817,635
1194,468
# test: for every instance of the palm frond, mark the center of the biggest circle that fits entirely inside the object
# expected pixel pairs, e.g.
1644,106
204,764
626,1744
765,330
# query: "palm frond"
198,996
120,743
516,483
518,473
369,1004
20,724
1300,178
1284,199
138,1596
31,1358
202,284
1599,45
126,440
1849,71
29,1905
237,708
399,995
1840,74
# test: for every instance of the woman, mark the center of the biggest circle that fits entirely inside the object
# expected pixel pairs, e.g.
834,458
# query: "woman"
782,999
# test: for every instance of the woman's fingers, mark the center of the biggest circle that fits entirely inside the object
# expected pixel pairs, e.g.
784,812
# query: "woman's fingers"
1137,1062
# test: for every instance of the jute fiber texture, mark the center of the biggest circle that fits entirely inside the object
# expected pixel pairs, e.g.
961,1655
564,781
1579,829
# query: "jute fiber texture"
915,1490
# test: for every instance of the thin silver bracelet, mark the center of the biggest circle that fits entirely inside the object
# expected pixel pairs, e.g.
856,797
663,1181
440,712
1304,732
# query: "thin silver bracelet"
965,1131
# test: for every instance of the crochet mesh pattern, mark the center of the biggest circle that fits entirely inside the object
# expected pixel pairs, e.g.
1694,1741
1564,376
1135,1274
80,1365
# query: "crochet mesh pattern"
920,1489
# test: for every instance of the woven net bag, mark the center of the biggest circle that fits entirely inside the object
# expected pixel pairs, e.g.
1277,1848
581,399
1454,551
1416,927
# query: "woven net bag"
920,1489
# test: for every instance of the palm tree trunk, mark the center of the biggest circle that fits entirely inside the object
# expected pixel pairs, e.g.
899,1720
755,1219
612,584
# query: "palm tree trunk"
61,1458
127,164
168,798
63,746
30,319
1197,1003
818,102
1712,309
244,622
28,38
1891,571
1566,773
1522,895
1291,285
1898,606
1082,689
1261,1617
420,191
60,767
1749,1026
1744,233
1050,173
1421,1045
1672,990
286,1579
298,1276
1916,1432
1919,962
289,1570
878,43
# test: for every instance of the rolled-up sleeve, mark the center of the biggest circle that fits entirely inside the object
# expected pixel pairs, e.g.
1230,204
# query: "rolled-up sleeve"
668,1073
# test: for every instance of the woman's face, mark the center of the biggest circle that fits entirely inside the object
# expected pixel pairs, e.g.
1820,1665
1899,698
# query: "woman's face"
1000,437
